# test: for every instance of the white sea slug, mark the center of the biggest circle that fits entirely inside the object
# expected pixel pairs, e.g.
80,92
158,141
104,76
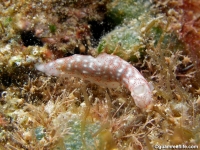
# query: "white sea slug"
105,70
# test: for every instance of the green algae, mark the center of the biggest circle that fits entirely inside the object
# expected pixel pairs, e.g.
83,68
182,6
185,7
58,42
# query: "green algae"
79,139
120,11
39,133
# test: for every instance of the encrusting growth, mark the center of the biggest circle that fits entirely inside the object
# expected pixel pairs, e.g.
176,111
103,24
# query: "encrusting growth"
105,70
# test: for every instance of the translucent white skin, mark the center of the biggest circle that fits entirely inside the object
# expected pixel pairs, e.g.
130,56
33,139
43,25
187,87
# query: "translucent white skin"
105,70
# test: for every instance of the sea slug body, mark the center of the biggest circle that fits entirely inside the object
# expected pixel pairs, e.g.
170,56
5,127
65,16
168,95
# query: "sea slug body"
104,70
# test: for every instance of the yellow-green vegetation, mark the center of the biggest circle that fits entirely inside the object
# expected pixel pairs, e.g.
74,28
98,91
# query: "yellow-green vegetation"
176,107
120,11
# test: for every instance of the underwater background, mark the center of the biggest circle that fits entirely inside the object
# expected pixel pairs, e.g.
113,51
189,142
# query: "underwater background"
161,38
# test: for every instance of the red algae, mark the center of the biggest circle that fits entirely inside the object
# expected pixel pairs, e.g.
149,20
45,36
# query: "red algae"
185,22
190,32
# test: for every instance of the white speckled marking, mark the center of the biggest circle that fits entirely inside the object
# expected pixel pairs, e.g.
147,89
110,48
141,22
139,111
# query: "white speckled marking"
105,70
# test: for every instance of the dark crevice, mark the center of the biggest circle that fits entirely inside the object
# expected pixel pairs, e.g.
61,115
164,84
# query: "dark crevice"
76,50
100,28
6,80
29,39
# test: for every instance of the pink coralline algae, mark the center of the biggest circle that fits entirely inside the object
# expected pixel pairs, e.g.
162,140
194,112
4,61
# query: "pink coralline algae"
105,70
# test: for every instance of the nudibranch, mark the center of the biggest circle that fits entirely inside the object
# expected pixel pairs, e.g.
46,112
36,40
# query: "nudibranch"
105,70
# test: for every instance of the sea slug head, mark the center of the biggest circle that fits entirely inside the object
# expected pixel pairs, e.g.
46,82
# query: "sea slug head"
40,67
48,69
142,95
